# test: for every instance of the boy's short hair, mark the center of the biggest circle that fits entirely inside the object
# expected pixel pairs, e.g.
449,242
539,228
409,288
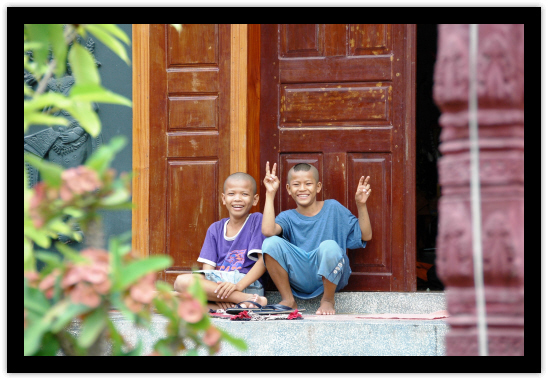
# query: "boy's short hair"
304,167
244,177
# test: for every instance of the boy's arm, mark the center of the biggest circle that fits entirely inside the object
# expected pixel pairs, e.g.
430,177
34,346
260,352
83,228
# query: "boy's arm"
362,194
272,183
225,289
208,267
253,275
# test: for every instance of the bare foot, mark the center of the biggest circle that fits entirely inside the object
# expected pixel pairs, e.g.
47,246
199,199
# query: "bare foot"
255,298
327,307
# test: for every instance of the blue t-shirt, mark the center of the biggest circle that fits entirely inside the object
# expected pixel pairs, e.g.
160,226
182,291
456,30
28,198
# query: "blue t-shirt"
238,252
333,222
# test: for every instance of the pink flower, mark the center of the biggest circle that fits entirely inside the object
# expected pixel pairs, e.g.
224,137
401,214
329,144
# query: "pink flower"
191,311
211,336
144,290
47,284
78,181
33,278
133,305
85,294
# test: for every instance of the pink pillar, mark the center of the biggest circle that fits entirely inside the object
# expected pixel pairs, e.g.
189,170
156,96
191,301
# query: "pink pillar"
500,121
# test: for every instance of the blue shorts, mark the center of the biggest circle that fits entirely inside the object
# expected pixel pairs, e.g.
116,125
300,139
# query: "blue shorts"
232,277
306,269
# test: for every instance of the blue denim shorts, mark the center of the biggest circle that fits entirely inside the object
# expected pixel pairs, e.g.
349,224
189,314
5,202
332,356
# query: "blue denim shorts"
306,269
232,277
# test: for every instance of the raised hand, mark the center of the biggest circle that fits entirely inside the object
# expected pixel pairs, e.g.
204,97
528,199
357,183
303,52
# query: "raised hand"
271,182
364,191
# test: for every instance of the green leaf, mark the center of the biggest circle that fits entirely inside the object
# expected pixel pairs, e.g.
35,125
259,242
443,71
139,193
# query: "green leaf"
70,254
33,336
116,339
38,103
100,160
119,196
163,347
38,236
163,308
50,345
49,258
30,264
40,118
59,47
71,312
74,212
83,65
137,269
109,41
92,327
164,286
98,94
195,289
39,33
137,350
59,226
48,170
192,352
35,301
116,31
238,343
85,115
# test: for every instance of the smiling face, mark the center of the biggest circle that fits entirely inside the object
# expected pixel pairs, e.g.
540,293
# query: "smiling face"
303,187
239,197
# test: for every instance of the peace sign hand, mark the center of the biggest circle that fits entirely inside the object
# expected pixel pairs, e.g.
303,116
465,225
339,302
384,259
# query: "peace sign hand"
364,191
271,182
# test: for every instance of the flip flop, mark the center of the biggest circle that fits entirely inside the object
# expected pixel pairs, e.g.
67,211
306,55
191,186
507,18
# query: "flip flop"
238,309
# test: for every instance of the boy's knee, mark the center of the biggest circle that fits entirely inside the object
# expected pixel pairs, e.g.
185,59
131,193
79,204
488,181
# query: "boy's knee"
272,244
329,250
182,282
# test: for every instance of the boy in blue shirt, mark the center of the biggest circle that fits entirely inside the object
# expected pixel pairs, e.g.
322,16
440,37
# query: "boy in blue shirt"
231,254
305,248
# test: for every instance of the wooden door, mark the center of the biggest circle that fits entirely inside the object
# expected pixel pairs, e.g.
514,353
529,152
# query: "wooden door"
342,97
189,138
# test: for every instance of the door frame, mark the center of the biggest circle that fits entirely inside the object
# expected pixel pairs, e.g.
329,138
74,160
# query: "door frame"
244,130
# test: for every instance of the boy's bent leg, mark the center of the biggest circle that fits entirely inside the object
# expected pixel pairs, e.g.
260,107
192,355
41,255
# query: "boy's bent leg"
183,281
281,279
327,303
332,264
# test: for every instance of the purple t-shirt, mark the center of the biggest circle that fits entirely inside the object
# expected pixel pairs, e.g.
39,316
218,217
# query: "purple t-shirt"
237,252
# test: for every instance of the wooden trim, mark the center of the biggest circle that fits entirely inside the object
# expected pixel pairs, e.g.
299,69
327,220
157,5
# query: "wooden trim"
238,98
410,256
254,106
141,139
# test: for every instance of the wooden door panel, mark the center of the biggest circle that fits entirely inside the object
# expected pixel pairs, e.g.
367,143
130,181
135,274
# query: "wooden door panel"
370,39
322,105
189,213
376,256
340,97
193,112
195,44
301,40
189,137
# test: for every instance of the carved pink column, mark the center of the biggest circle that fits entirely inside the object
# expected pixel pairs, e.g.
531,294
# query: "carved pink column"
500,120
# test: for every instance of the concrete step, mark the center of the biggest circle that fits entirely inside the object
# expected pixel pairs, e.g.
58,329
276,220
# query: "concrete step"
348,333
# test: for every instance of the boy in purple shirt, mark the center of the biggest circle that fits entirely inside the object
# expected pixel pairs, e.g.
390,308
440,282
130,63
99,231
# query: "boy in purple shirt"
231,253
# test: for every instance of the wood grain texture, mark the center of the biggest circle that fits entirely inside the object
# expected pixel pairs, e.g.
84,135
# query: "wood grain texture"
238,98
141,140
254,107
